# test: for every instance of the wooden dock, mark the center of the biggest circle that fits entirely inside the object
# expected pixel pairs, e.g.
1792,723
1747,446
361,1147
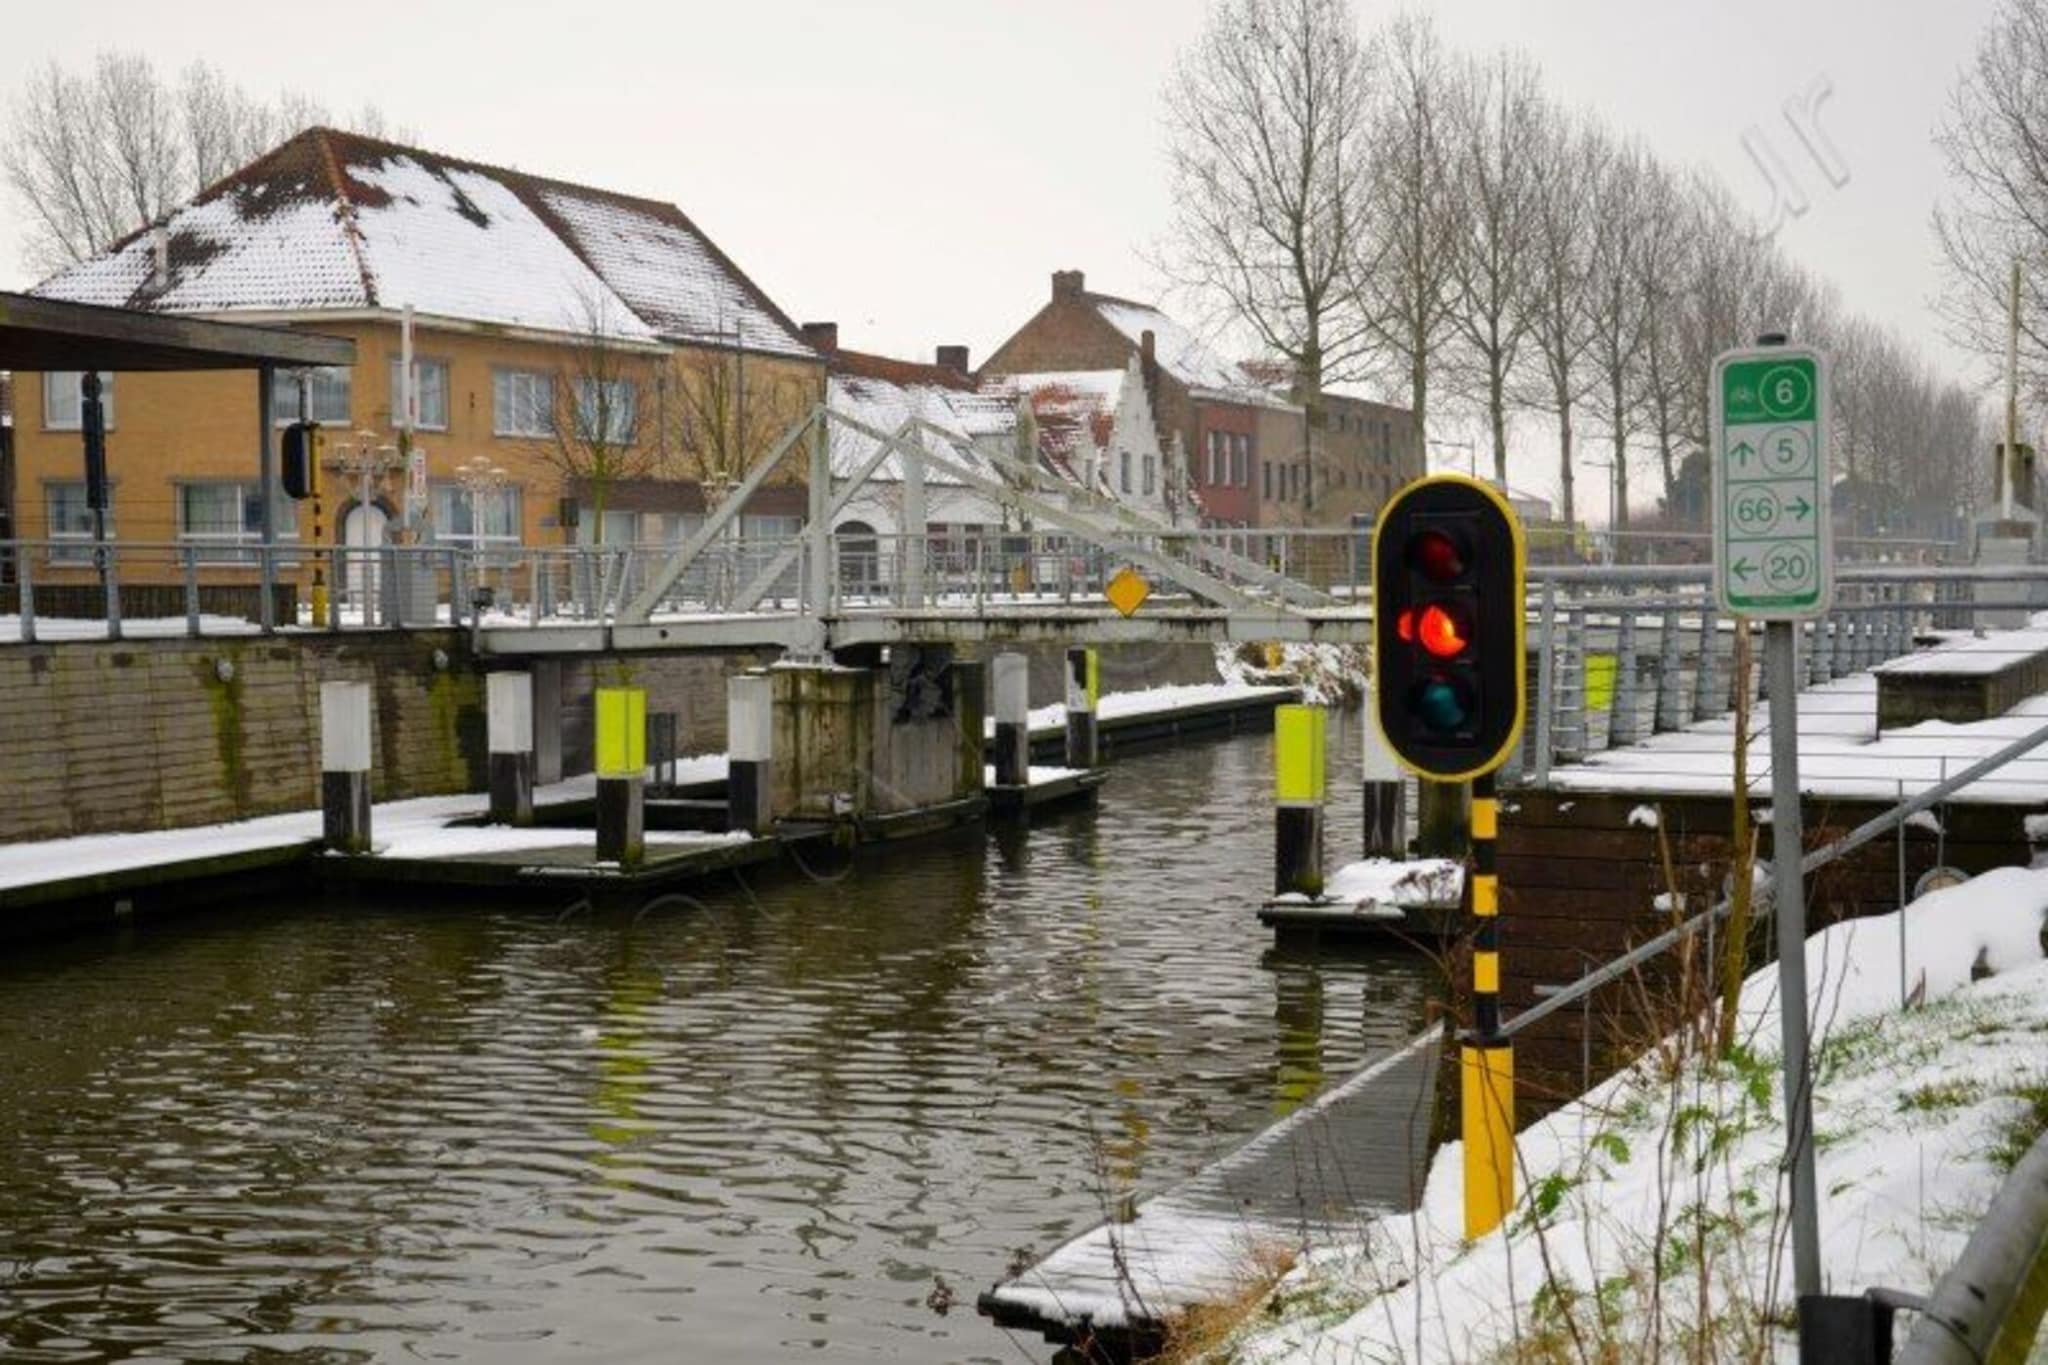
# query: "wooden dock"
1359,1149
1377,900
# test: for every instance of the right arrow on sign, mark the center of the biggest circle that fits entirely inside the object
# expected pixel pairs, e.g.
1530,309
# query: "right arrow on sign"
1802,509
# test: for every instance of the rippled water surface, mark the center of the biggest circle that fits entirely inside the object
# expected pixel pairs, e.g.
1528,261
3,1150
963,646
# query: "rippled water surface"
768,1125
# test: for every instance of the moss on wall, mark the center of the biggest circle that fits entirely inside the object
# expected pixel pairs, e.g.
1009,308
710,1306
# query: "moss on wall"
224,696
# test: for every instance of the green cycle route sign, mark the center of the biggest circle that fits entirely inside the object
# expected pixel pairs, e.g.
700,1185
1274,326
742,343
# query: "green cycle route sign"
1773,532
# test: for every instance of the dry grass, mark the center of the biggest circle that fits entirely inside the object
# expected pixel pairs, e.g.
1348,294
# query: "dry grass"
1202,1332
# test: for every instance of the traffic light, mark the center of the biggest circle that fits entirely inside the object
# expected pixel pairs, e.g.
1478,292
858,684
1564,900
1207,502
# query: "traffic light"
1447,562
299,463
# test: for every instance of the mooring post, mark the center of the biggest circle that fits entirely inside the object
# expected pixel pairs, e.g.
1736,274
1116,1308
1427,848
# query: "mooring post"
1011,683
749,751
1386,810
509,704
345,766
1298,734
621,775
1084,690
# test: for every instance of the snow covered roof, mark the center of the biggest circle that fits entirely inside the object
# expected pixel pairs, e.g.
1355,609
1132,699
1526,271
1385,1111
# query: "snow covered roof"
1182,352
884,393
332,220
1068,407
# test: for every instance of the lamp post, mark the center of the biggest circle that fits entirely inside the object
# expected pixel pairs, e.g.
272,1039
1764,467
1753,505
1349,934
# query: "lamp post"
369,462
478,476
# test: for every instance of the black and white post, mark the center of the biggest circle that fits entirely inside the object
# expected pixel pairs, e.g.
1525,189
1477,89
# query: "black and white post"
1386,809
509,698
345,766
1084,689
1011,682
750,751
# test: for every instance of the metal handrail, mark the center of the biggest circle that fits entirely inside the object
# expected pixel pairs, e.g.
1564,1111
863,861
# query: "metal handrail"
2003,1270
1870,829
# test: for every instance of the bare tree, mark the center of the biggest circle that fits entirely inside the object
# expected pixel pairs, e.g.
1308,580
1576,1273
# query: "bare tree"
1558,296
93,155
1266,153
598,436
1617,305
1995,143
1499,115
1403,273
1660,257
721,414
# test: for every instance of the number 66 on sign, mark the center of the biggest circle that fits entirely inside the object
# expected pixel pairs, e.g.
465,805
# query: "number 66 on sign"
1773,532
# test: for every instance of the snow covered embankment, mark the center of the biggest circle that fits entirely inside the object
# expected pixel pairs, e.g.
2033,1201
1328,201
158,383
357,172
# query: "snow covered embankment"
1652,1215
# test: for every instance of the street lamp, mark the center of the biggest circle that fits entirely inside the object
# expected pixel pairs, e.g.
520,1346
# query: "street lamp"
369,462
478,476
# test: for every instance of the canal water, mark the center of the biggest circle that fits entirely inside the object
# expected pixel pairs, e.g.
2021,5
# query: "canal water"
803,1115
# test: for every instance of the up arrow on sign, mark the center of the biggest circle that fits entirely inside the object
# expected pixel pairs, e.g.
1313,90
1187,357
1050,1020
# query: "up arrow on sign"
1742,453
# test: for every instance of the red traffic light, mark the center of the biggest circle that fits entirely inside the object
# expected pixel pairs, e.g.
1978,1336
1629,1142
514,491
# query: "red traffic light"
1436,556
1404,625
1442,631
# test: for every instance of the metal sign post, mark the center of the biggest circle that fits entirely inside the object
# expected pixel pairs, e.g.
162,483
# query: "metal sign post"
1774,559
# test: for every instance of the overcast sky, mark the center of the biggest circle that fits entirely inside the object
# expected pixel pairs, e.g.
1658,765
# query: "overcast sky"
915,170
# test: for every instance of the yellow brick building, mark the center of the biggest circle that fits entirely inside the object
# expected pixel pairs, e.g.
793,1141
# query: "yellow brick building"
583,351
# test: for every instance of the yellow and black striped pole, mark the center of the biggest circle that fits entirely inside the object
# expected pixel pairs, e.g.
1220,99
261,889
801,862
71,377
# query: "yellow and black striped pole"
1486,1061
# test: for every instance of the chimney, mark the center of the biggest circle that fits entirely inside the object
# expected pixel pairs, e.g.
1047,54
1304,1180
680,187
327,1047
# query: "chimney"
953,358
159,257
822,336
1067,284
1147,347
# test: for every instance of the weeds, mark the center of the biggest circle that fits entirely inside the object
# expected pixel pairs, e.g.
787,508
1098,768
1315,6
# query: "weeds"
2018,1134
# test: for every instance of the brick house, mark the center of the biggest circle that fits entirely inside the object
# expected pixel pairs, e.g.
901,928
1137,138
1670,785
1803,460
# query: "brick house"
550,321
1248,449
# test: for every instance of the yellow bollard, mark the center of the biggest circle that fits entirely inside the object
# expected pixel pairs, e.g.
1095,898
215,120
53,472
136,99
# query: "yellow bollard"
1487,1102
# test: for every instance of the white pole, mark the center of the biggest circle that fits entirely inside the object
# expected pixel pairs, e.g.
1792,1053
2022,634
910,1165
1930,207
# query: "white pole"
2006,460
406,407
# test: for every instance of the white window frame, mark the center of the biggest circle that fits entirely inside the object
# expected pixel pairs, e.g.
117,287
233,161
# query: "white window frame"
588,386
62,541
236,546
422,365
458,496
504,408
284,395
51,378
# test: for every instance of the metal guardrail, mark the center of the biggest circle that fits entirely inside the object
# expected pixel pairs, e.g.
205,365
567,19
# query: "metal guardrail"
1988,1307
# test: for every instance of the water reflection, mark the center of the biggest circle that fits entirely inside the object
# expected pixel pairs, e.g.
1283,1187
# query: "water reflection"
756,1124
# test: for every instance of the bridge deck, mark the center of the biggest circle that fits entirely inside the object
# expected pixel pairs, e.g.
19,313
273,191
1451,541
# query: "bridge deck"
1360,1148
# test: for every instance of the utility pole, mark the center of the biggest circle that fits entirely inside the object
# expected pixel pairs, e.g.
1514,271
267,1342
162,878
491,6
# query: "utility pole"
2008,457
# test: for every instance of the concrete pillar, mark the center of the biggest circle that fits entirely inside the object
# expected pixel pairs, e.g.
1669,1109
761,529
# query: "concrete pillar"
509,706
621,775
1298,736
1386,812
749,751
1012,678
1084,691
345,766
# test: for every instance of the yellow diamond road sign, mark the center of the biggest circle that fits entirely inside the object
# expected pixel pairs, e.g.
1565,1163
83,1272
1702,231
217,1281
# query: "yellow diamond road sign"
1127,591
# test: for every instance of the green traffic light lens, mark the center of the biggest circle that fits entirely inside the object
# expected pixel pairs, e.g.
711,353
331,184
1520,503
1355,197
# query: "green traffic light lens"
1444,705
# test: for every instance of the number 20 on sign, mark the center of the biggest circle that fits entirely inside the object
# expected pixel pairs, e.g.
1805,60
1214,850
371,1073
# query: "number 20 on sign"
1773,532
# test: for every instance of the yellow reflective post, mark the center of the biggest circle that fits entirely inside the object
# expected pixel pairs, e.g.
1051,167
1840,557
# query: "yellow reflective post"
1298,781
621,731
1486,1063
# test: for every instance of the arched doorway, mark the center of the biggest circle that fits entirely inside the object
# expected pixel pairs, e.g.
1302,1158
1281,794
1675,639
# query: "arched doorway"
860,569
362,533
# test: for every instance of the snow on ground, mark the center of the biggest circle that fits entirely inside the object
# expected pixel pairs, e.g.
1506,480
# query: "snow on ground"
55,628
1391,882
1329,675
1841,753
1971,655
1148,701
418,828
1917,1114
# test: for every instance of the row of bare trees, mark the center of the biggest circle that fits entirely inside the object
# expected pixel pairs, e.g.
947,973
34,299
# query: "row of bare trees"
94,154
1374,206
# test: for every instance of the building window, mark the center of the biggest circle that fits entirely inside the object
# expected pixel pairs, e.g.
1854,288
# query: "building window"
1241,460
62,401
226,520
522,403
1124,466
490,516
604,410
71,520
1266,480
330,396
1151,474
431,400
1216,459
